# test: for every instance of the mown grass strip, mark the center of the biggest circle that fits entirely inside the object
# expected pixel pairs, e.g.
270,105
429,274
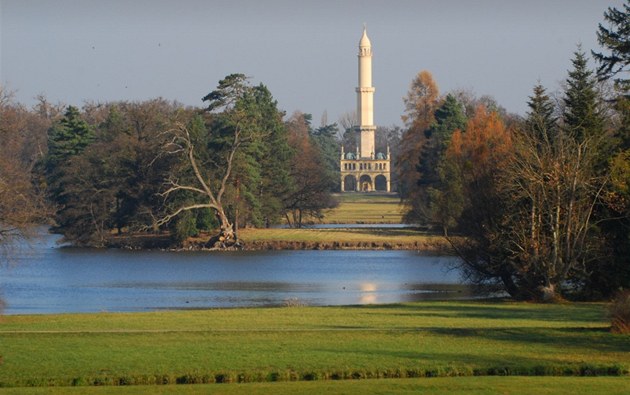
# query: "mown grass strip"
367,208
431,339
460,385
347,238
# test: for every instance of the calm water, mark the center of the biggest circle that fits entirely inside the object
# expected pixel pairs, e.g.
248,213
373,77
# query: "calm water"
47,279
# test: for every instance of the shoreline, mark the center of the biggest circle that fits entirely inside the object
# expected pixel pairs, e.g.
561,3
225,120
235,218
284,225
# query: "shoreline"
298,239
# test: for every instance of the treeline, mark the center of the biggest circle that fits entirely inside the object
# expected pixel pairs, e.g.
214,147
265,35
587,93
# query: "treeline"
158,166
543,201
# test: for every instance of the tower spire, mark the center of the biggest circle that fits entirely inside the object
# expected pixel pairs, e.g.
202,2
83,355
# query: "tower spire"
365,97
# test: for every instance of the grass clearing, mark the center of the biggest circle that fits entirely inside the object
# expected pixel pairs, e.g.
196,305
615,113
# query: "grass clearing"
367,208
310,343
347,237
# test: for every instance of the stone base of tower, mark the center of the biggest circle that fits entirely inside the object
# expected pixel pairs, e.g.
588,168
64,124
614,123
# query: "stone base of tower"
365,175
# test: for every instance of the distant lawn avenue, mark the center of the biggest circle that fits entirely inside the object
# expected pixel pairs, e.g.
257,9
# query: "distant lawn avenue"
354,208
342,238
327,344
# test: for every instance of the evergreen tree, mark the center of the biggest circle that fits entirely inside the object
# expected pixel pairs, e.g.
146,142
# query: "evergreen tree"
582,114
616,39
613,270
67,137
325,137
540,119
274,157
449,116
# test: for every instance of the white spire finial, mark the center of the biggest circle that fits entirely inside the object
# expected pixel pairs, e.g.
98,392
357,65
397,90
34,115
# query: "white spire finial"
365,41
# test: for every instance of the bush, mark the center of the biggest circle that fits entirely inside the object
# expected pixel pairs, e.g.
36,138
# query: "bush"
620,312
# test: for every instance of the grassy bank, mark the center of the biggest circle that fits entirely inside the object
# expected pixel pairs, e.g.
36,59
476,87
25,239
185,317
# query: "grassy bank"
347,238
368,208
310,343
436,386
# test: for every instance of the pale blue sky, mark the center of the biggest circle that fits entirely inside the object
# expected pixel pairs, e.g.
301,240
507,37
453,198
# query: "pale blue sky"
304,51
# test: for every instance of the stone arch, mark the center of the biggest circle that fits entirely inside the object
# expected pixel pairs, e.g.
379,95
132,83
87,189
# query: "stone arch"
349,183
365,183
380,183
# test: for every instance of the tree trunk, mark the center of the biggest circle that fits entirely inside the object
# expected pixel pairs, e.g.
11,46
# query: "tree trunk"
227,238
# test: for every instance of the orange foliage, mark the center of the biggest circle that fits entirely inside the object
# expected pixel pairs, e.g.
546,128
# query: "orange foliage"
420,104
485,146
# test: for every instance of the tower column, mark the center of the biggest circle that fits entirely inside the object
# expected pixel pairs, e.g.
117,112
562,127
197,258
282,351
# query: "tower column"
365,98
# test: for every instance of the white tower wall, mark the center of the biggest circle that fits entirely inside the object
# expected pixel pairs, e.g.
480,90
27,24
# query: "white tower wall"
367,171
365,99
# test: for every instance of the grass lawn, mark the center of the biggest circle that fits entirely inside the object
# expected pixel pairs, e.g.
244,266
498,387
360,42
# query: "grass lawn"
441,385
317,343
369,208
348,236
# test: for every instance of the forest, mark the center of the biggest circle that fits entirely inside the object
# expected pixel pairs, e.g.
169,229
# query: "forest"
536,205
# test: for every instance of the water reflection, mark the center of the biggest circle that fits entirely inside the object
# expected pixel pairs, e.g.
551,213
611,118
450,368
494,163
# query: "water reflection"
52,280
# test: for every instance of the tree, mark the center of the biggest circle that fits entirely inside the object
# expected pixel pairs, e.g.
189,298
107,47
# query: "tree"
475,158
613,271
310,192
541,121
615,39
69,136
420,104
211,155
325,137
530,197
434,175
273,156
348,121
582,114
21,202
553,188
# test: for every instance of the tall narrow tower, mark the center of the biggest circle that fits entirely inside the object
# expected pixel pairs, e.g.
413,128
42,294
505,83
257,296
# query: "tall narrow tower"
365,99
366,170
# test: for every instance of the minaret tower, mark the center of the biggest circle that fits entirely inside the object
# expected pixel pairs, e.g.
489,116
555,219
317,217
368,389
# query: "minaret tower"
366,170
365,99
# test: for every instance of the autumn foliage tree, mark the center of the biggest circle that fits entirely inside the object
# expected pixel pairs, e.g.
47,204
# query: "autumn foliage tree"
474,158
529,197
22,145
310,192
552,188
420,104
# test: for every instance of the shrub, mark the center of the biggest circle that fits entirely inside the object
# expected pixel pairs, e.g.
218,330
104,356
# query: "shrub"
620,312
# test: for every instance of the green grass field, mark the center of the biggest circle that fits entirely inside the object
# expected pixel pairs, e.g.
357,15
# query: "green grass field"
315,343
436,386
368,208
349,237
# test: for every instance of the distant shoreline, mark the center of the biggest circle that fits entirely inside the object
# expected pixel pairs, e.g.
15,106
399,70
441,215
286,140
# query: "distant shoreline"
275,239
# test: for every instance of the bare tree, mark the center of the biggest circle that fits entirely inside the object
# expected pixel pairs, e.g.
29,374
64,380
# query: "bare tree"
212,168
203,182
553,190
21,204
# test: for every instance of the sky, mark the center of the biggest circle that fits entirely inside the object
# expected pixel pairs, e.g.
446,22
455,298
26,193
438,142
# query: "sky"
305,52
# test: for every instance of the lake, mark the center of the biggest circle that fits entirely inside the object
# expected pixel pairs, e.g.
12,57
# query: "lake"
44,278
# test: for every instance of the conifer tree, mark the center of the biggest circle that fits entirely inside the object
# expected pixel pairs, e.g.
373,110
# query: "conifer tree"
582,113
540,119
68,137
448,117
616,39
